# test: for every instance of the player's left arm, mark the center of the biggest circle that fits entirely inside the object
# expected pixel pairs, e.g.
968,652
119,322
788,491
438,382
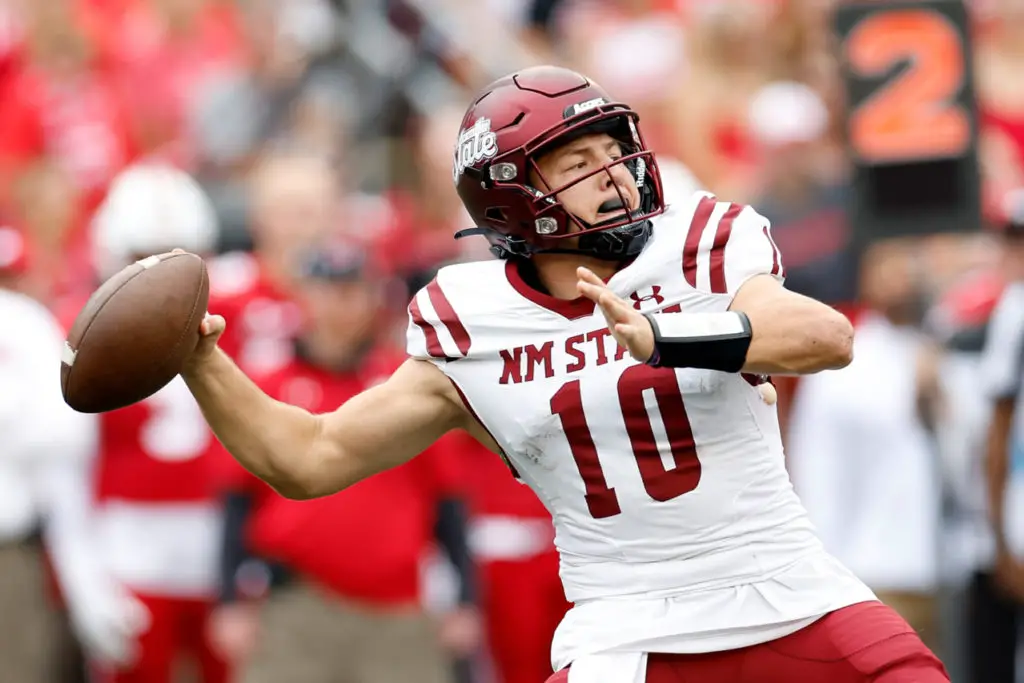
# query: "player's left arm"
791,333
765,329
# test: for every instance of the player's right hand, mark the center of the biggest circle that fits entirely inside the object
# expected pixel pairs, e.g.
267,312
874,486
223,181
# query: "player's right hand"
210,331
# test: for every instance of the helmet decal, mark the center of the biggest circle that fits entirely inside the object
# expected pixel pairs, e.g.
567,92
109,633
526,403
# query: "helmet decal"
575,109
475,144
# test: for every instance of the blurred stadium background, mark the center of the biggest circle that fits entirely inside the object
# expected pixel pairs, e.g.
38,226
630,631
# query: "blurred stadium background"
304,146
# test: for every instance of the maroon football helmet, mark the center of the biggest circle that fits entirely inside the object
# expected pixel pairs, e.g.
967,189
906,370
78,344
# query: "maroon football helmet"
521,117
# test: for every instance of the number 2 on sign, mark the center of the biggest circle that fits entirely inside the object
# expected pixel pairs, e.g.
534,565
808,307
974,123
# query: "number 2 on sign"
661,483
914,115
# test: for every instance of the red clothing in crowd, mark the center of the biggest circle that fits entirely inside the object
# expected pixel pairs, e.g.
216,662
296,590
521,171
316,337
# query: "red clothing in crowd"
261,318
368,541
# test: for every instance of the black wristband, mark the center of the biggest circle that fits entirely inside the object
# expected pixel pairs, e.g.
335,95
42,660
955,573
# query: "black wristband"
711,341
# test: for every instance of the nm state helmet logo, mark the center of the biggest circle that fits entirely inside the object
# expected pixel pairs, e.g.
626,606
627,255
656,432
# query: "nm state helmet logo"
654,295
475,144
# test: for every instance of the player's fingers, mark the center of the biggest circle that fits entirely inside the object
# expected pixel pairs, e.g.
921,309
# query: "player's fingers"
626,331
592,292
616,308
633,338
587,275
211,325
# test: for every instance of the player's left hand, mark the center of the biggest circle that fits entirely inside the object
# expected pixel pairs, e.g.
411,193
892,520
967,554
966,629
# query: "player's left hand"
627,325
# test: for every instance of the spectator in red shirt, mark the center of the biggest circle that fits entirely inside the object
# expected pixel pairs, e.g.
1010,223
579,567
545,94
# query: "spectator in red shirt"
64,130
354,608
292,202
163,54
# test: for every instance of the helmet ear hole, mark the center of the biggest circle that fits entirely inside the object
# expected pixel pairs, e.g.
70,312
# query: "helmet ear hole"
496,214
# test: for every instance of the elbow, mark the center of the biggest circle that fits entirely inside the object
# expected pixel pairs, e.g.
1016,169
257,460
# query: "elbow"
303,484
297,472
321,469
837,341
293,483
296,490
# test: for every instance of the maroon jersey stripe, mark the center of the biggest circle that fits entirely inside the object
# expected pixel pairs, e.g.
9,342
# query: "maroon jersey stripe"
776,256
716,259
701,216
433,342
448,317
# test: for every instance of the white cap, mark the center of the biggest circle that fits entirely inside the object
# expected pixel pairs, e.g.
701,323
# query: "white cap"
787,112
151,209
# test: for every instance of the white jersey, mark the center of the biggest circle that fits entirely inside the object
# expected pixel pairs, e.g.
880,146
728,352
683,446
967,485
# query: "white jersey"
676,523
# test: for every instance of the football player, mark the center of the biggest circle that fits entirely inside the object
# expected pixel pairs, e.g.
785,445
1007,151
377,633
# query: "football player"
136,556
616,354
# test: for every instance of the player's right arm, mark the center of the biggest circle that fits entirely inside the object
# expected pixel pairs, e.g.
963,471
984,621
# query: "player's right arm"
302,455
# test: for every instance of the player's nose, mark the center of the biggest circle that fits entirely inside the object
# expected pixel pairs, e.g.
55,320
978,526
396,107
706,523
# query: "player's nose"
618,179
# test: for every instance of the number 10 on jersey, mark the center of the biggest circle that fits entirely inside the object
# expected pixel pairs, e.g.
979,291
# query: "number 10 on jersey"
661,483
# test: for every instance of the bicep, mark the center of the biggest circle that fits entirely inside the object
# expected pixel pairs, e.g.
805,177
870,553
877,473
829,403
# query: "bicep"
386,425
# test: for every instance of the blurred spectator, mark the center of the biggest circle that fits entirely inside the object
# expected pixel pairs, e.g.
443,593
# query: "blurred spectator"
802,45
803,192
164,53
282,94
293,202
709,125
637,49
65,132
11,36
998,594
41,437
860,451
999,58
136,558
46,205
419,236
354,610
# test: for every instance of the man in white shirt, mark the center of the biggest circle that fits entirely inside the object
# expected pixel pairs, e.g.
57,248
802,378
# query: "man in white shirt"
38,432
860,454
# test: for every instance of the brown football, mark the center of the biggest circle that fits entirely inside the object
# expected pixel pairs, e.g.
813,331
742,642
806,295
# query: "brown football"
135,332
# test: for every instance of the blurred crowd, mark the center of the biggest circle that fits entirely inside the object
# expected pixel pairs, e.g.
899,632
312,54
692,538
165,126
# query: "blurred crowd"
304,148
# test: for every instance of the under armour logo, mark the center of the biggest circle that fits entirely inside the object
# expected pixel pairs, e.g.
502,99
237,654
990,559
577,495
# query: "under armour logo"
655,296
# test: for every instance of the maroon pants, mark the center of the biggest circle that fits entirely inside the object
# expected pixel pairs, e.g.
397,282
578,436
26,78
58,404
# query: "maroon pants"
864,643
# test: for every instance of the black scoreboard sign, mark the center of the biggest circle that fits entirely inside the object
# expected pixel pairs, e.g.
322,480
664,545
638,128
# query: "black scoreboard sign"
911,119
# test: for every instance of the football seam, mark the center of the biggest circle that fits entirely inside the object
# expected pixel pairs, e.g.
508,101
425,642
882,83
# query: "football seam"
85,332
195,305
